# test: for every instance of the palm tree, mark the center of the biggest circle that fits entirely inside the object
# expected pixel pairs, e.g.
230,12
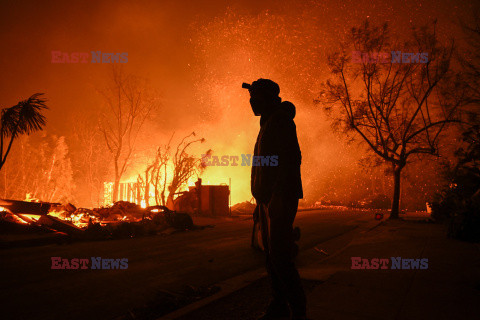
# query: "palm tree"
23,118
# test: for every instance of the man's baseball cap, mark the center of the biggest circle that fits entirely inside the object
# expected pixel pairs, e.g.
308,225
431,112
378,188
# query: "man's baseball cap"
265,87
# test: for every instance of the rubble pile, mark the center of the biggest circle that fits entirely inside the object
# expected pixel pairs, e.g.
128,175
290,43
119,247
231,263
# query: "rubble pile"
243,208
121,220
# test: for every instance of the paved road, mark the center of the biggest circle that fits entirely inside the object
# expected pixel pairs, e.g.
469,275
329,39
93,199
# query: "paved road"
30,289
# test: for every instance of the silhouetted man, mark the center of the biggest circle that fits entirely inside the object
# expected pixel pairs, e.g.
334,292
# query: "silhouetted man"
277,186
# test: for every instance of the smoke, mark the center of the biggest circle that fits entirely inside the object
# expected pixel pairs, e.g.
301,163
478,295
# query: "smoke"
196,57
291,50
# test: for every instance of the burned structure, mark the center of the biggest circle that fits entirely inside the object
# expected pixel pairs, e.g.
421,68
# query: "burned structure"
200,199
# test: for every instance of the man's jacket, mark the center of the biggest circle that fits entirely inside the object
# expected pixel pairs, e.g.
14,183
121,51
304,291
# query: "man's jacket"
277,137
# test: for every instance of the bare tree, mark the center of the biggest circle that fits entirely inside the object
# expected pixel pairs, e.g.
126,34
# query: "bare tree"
399,108
128,104
184,165
470,60
154,173
144,182
23,118
89,157
160,173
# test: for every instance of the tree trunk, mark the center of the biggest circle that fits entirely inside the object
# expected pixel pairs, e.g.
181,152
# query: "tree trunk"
115,189
147,193
163,197
396,193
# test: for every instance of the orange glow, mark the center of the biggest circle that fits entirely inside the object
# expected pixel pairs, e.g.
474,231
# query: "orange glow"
28,218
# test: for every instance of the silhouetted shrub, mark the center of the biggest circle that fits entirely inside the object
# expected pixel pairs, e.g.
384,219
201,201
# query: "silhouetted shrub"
459,204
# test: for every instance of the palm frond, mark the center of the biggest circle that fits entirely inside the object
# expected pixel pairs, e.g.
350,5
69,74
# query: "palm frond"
25,117
8,121
30,116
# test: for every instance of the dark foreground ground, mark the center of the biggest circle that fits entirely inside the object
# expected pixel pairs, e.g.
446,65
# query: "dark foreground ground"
157,265
448,289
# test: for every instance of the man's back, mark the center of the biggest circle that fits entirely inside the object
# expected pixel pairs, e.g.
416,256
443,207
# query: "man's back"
278,138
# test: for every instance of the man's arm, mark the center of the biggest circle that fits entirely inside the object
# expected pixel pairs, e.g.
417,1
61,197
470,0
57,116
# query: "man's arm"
285,147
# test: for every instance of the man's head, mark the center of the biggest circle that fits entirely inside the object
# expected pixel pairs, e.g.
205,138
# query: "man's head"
263,95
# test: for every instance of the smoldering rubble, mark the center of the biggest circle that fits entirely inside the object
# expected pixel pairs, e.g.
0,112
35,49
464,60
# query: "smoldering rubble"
65,222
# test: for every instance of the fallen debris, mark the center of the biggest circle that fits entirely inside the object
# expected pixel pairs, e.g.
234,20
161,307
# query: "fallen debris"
15,206
322,251
243,208
121,220
59,225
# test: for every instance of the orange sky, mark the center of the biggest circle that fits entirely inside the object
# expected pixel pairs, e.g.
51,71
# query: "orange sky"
191,56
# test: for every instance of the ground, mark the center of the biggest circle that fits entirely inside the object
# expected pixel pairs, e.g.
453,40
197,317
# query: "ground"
201,258
448,289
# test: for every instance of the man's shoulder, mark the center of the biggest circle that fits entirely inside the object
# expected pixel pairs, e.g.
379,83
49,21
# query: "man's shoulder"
281,115
281,119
